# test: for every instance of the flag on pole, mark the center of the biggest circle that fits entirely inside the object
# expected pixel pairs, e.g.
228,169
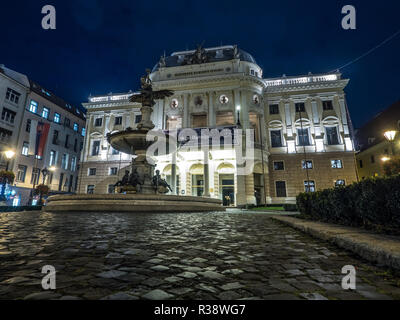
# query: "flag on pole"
38,138
32,137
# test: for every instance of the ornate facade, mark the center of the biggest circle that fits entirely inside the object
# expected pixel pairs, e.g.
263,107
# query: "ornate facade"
302,129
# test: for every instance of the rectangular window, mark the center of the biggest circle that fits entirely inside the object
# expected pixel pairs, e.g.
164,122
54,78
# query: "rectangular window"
21,173
92,172
96,148
83,132
33,106
336,164
113,171
8,115
98,122
35,176
67,122
340,182
372,159
280,187
76,127
111,188
274,109
309,186
28,125
66,145
118,121
307,164
303,137
25,148
138,118
12,95
45,113
57,117
332,135
52,161
64,161
300,107
279,165
361,163
276,138
55,137
73,163
327,105
90,189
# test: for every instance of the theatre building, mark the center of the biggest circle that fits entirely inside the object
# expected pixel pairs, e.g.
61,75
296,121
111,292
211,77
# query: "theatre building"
301,130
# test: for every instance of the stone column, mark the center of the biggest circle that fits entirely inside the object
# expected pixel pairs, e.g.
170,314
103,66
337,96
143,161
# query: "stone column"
249,182
343,112
211,110
173,173
186,122
206,175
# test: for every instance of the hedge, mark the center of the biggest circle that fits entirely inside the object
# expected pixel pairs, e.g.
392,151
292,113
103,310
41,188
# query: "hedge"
373,204
19,208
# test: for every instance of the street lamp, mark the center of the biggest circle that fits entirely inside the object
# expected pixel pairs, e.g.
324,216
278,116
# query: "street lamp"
45,172
390,135
9,155
238,115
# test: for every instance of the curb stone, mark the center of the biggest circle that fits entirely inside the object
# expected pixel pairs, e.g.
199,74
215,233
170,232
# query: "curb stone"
381,249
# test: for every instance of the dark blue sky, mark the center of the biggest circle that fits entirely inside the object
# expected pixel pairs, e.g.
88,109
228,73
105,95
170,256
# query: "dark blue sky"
104,46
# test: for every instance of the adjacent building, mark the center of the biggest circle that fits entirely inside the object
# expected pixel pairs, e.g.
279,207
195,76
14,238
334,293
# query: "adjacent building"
300,127
47,138
372,145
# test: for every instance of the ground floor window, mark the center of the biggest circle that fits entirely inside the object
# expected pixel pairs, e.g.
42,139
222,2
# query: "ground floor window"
309,186
227,189
90,189
197,185
340,182
111,188
280,187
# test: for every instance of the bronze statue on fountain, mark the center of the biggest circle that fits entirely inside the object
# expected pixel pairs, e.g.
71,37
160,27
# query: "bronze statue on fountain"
134,141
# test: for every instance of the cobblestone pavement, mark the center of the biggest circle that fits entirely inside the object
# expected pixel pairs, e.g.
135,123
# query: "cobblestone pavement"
176,256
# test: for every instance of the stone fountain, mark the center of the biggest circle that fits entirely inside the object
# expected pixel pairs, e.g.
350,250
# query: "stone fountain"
140,190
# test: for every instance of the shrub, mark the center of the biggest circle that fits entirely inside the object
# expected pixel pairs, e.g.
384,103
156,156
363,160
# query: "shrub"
289,207
372,203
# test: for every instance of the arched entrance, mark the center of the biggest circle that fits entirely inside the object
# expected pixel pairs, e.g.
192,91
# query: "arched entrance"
226,182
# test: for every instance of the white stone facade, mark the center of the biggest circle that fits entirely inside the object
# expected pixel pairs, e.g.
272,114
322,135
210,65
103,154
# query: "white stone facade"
226,91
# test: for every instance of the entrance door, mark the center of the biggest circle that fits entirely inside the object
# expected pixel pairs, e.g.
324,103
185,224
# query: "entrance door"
227,189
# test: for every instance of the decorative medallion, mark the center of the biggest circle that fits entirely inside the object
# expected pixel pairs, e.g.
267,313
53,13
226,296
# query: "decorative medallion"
256,99
223,99
174,103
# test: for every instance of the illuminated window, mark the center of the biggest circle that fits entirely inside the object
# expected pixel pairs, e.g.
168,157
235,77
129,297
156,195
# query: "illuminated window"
76,127
307,164
309,186
336,164
340,182
25,148
33,106
57,117
83,132
45,113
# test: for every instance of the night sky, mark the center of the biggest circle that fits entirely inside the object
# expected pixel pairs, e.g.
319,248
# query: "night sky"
105,46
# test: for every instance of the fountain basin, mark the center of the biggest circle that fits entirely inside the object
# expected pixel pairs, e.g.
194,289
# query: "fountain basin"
151,203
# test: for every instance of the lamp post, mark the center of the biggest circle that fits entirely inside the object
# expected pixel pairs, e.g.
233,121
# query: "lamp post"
9,155
45,172
390,135
5,178
238,115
